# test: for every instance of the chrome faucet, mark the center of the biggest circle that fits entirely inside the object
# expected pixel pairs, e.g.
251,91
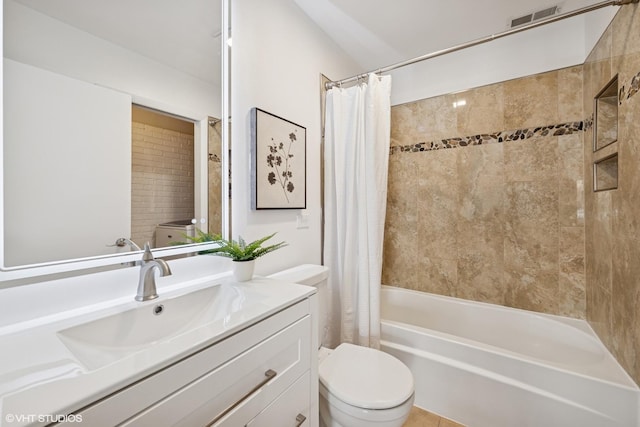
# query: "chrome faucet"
123,241
147,283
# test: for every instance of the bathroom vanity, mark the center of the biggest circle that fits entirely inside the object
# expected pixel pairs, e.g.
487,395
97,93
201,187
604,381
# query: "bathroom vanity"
213,353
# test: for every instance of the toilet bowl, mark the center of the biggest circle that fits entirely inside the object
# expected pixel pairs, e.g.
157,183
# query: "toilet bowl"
359,386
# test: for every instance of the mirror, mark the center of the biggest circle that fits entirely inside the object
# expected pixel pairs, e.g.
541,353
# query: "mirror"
86,84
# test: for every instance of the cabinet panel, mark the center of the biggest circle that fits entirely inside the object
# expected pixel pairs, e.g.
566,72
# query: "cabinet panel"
236,391
290,409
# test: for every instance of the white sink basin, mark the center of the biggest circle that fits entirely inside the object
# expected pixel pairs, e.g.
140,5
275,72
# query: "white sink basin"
105,340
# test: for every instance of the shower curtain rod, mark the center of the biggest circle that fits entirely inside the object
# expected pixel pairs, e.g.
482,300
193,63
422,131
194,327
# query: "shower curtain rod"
476,42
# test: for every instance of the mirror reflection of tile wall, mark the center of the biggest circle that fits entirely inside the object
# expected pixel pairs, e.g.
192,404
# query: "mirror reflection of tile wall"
162,172
215,176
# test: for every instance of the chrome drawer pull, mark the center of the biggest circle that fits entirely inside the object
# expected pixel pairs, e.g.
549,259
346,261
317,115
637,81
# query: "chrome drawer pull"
300,419
269,375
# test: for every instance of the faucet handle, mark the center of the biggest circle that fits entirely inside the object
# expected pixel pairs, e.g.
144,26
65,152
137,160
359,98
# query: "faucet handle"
148,256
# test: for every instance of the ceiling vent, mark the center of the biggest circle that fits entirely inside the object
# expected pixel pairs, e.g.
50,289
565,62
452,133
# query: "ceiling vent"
541,14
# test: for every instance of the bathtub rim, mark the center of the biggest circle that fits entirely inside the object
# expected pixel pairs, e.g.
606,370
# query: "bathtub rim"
581,325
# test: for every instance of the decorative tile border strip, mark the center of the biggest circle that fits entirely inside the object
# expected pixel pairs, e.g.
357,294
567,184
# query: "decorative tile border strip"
493,138
634,87
518,134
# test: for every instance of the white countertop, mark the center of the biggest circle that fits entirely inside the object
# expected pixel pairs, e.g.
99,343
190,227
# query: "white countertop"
39,375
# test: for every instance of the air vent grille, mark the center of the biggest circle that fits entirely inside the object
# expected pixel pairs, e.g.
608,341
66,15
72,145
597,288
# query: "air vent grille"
545,13
522,20
541,14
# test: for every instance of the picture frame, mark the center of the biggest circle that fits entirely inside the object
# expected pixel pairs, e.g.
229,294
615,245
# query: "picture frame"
278,162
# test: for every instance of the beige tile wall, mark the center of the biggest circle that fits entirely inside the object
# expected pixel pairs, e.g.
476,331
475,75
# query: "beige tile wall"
612,230
497,222
518,223
215,190
162,178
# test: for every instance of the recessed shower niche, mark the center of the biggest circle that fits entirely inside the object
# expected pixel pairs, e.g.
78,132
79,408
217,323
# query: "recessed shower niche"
605,173
605,132
606,115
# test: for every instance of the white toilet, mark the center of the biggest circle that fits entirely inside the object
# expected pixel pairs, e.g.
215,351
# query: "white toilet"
359,386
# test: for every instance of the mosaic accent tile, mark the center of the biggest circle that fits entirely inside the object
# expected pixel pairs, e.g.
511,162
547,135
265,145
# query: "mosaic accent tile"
492,138
634,87
517,134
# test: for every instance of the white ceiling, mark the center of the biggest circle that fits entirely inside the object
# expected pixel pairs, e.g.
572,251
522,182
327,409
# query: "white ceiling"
185,34
377,33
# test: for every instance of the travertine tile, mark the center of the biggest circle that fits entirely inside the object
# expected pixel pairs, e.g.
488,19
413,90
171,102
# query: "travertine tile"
436,275
533,289
416,121
531,159
531,246
437,203
571,292
531,101
625,318
570,81
532,203
570,156
597,70
462,201
481,183
400,240
599,312
481,262
482,112
625,32
571,182
531,266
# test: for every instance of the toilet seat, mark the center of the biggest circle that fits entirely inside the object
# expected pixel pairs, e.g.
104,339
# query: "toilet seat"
366,378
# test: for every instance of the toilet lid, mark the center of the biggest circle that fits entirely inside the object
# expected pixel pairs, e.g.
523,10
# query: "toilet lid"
365,377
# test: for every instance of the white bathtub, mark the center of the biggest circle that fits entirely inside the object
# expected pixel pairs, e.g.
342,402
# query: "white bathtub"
485,365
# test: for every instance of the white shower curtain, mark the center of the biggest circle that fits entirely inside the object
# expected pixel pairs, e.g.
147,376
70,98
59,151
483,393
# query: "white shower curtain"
356,153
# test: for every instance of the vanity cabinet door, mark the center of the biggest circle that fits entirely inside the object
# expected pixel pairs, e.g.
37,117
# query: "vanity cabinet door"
237,391
290,409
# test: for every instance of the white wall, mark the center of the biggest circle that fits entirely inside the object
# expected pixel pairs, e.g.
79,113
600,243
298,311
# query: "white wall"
278,55
69,191
595,24
562,44
39,40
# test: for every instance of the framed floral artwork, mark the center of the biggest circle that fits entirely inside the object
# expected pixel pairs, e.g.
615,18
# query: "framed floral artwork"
278,162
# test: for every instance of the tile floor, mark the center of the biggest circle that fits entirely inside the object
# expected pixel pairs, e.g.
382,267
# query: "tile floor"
421,418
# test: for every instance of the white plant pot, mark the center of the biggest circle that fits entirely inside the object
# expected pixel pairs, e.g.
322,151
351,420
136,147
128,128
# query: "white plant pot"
243,270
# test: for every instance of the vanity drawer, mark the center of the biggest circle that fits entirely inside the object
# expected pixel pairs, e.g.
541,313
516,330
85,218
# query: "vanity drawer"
234,393
290,409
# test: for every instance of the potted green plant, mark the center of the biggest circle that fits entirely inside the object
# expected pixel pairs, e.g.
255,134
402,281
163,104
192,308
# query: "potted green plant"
244,254
200,237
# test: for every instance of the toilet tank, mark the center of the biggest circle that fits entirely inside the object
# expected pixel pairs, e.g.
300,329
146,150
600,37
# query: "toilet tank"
311,275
